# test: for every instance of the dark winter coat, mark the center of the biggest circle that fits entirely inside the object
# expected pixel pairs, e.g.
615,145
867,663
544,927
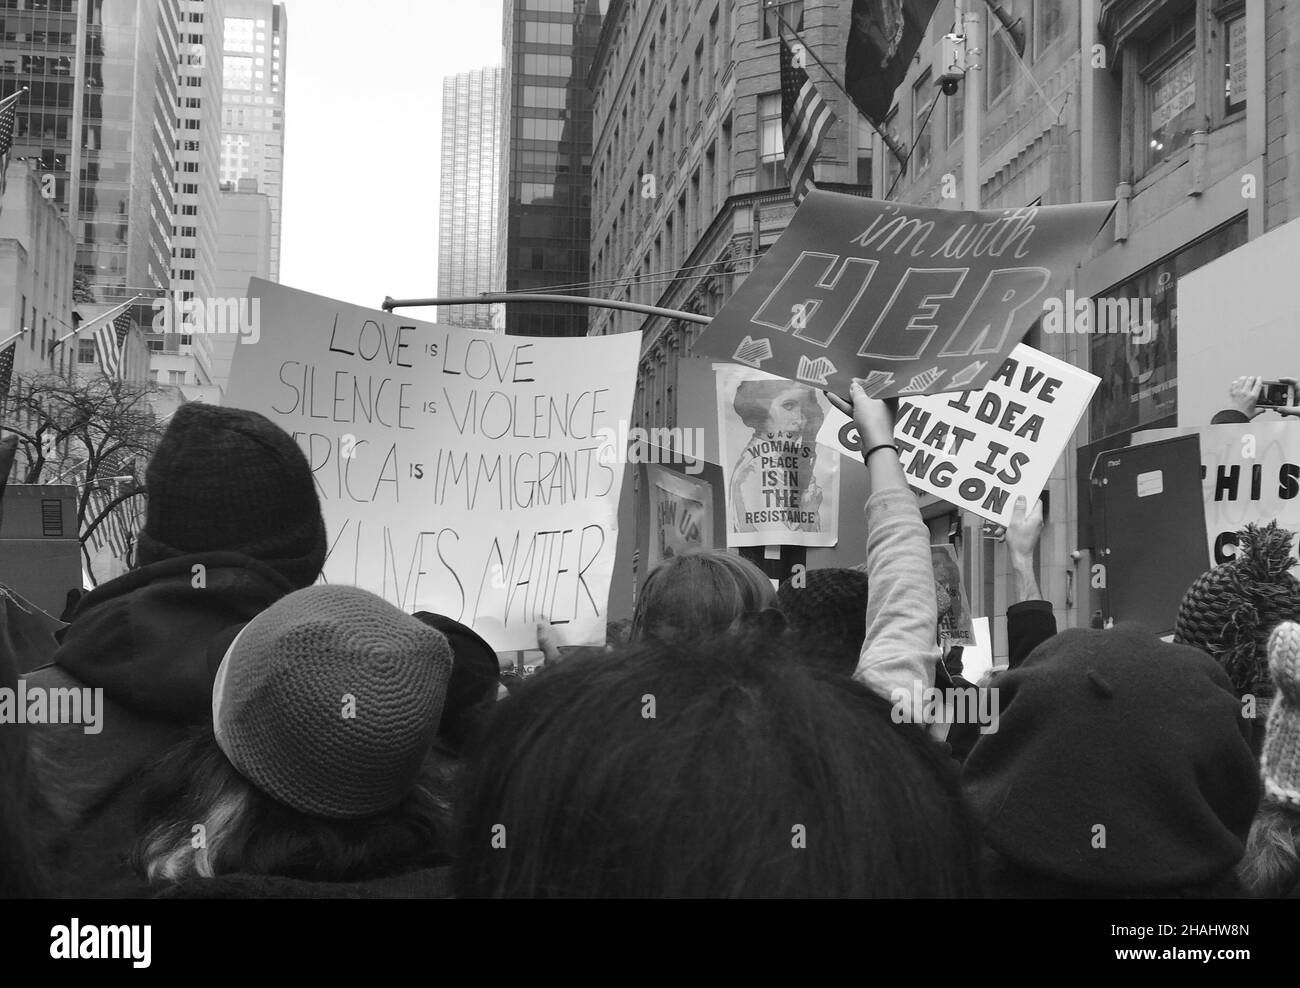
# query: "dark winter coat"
152,640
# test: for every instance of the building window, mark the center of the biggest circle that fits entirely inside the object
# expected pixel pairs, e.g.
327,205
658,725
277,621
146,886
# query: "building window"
791,11
771,146
155,344
1001,61
893,167
1049,24
175,377
955,110
1233,32
1169,83
921,99
85,351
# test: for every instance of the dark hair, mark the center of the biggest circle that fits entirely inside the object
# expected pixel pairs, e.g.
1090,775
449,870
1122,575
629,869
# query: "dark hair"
754,399
826,616
698,595
720,768
1271,865
245,831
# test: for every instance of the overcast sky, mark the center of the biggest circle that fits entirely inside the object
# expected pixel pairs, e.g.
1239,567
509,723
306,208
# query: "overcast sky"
363,116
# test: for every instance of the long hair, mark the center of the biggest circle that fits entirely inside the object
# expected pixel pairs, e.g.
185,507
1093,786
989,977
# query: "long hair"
1271,865
700,594
720,768
201,818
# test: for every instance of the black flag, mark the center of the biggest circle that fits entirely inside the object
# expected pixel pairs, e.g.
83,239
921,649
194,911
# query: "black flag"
883,38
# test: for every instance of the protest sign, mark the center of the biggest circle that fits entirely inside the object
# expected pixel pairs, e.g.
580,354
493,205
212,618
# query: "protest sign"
912,300
1250,472
681,514
466,473
781,489
980,450
954,613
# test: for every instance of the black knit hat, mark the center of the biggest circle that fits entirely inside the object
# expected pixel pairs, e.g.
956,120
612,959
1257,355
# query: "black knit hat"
475,677
229,479
828,613
1230,610
328,701
1118,763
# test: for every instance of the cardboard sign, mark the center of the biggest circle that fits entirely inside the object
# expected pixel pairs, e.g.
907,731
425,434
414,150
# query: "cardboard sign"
980,450
1250,472
913,300
460,472
781,488
681,514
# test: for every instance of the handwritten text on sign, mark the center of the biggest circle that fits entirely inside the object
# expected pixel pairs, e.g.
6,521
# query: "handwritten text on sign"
980,450
912,300
459,472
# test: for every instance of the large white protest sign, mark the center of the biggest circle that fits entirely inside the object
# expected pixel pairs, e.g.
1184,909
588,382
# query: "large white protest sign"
460,472
781,488
1250,472
980,450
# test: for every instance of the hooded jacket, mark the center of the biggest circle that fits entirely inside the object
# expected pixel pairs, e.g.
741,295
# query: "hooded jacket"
152,641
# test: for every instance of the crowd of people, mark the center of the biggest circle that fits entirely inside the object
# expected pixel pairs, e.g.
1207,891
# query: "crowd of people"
267,736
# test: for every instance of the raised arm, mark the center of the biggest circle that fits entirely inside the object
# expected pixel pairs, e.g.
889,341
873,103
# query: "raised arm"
899,651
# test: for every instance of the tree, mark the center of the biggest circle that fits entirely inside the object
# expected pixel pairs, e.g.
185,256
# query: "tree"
82,429
81,290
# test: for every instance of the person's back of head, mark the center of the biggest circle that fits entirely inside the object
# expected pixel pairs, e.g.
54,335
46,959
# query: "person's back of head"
1119,766
826,616
231,480
1271,865
717,768
320,762
700,594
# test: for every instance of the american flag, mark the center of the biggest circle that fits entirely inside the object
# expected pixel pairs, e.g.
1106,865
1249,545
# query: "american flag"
805,118
109,338
8,108
117,530
6,370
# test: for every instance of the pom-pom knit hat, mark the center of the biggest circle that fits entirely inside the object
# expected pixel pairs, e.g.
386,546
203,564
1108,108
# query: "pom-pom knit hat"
1280,760
1230,610
329,701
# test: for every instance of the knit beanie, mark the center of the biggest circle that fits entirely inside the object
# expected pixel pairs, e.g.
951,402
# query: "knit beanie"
1119,763
1230,610
1280,760
229,479
829,611
329,700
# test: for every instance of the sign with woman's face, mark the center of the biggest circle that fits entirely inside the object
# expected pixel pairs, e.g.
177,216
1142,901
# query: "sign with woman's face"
781,490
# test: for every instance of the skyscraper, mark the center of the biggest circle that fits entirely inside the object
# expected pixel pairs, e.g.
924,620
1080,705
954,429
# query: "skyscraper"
127,157
545,213
179,356
468,190
256,38
38,49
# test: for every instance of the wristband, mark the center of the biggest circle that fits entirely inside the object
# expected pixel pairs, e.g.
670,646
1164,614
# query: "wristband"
867,455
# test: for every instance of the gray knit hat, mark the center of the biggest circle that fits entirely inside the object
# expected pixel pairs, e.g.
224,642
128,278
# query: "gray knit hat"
329,700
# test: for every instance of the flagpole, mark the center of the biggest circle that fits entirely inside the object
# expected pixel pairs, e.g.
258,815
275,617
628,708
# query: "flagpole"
86,325
9,339
968,20
12,98
891,142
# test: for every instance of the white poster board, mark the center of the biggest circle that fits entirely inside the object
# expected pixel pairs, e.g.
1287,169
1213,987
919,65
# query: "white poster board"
471,474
